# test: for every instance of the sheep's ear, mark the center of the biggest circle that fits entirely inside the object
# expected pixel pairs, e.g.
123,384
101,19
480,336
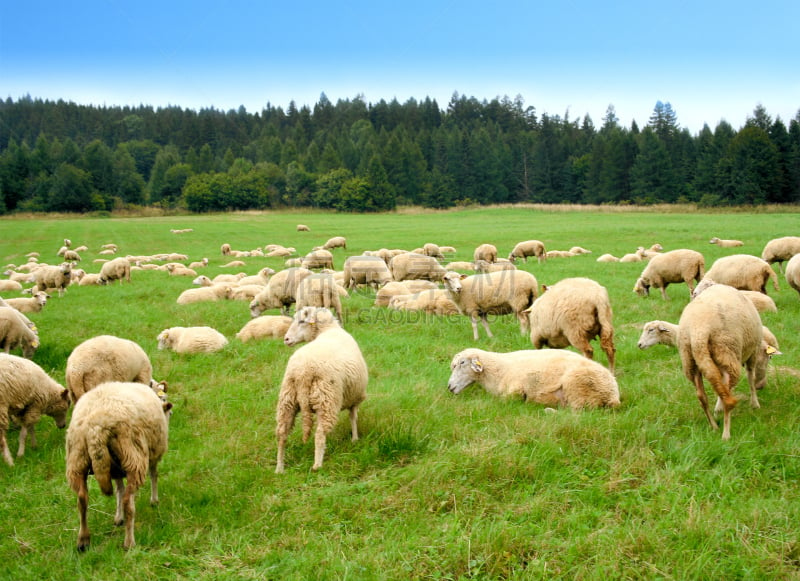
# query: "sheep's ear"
462,276
545,288
662,328
167,406
772,351
65,396
476,365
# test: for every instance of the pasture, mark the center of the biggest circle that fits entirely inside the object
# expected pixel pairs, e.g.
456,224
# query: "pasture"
439,486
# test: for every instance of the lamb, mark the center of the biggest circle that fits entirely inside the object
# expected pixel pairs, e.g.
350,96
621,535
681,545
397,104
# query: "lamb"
118,430
743,272
16,331
191,340
116,269
280,293
264,327
319,290
487,252
27,392
793,273
507,291
303,228
718,332
31,304
553,377
726,243
674,266
780,250
528,248
365,270
413,266
325,376
391,289
321,258
433,302
106,358
216,292
55,277
573,312
335,242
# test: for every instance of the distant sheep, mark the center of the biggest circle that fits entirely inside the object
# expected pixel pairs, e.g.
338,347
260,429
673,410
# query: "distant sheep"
365,270
33,304
413,266
793,273
407,287
560,254
246,292
234,264
579,250
487,252
607,258
780,250
303,228
280,293
319,290
264,327
325,376
216,292
743,272
460,265
72,256
260,278
27,393
116,269
191,340
637,256
481,266
726,243
199,264
335,242
17,332
118,430
675,266
552,378
53,277
573,312
225,249
433,250
321,258
181,270
528,248
432,302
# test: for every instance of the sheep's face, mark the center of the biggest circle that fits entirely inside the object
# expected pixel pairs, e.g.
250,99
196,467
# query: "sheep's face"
452,282
642,287
652,334
465,369
163,339
58,409
306,325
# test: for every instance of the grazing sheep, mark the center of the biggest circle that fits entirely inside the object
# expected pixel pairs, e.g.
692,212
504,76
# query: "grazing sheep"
507,291
718,332
395,288
116,269
726,243
10,285
487,252
216,292
573,312
481,266
16,331
433,250
325,376
321,258
528,248
365,270
26,393
32,304
674,266
106,358
793,273
319,290
53,277
118,430
264,327
413,266
335,242
743,272
280,293
553,377
607,258
664,333
191,340
432,302
303,228
780,250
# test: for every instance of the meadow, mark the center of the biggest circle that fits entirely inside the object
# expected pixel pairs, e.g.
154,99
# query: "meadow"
439,486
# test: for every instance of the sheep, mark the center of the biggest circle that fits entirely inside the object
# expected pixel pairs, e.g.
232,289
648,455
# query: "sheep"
106,358
718,332
744,272
552,378
762,302
665,333
529,248
89,279
199,264
579,250
10,285
637,256
433,250
460,265
335,242
323,377
27,392
225,249
793,273
394,288
116,269
726,243
181,270
487,252
303,228
413,266
216,292
321,258
246,292
118,430
365,270
319,290
234,264
607,258
507,291
264,327
55,277
280,293
293,262
573,312
280,252
481,266
191,340
260,278
675,266
560,254
16,331
32,304
232,278
780,250
76,275
433,302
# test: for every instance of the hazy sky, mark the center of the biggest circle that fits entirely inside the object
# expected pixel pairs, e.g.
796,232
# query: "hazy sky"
710,60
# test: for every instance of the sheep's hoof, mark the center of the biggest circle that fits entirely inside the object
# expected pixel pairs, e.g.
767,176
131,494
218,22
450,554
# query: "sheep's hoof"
316,467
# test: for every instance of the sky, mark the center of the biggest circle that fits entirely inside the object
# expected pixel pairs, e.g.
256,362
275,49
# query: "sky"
711,60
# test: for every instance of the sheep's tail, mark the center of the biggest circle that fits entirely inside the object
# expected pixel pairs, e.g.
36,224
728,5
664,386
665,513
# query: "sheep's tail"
774,276
714,369
97,448
604,317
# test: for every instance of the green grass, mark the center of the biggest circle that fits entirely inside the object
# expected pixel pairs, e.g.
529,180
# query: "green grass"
439,486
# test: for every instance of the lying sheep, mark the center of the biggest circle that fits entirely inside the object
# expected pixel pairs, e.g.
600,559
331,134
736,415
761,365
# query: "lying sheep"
116,269
793,272
762,302
487,252
743,272
726,243
335,242
319,290
246,292
675,266
27,393
413,266
607,258
432,302
460,265
573,312
89,279
260,278
579,250
264,327
191,340
407,287
231,278
507,291
216,292
199,264
225,249
180,270
718,332
325,376
560,254
780,250
32,304
280,293
553,377
481,266
10,285
53,277
637,256
118,430
365,270
106,358
234,264
17,332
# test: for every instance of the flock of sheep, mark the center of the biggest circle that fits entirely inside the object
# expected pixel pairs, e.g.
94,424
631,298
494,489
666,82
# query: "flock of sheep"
119,425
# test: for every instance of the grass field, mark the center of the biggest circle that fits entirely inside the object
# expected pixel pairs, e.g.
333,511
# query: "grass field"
439,486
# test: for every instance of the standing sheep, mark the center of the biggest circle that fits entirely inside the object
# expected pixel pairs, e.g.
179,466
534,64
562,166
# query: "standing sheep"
366,270
303,228
191,340
553,378
280,293
264,327
413,266
718,332
53,277
665,333
116,269
573,312
529,248
319,290
744,272
780,250
487,252
335,242
726,243
793,272
16,330
499,293
118,430
26,393
674,266
321,258
325,376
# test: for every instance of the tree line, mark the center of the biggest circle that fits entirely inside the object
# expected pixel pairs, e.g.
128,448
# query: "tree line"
360,157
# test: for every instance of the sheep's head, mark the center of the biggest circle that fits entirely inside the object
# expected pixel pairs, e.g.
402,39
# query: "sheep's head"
452,281
465,369
701,286
307,324
57,409
164,339
642,286
655,333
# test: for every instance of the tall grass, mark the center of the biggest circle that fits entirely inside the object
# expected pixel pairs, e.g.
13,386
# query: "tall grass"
439,486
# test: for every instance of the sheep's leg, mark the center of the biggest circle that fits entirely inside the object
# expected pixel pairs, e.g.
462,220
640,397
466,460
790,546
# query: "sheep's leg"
701,395
83,505
154,484
119,516
524,323
474,320
6,452
485,324
607,344
721,383
24,432
319,446
752,382
285,423
354,422
664,293
129,504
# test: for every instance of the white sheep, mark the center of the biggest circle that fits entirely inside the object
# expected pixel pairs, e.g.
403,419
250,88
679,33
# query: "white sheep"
260,278
675,266
89,279
225,249
365,270
118,430
116,269
413,266
17,331
191,340
528,248
280,252
319,290
780,250
607,258
666,333
181,270
573,312
53,277
431,249
762,302
487,252
232,278
507,291
637,256
234,264
33,304
321,258
793,272
460,265
722,243
264,327
335,242
719,330
216,292
325,376
481,266
199,264
552,377
406,287
27,393
72,256
106,358
432,302
560,254
579,250
744,272
303,228
10,285
246,292
280,293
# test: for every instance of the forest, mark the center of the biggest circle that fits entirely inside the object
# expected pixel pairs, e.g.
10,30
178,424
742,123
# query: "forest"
354,156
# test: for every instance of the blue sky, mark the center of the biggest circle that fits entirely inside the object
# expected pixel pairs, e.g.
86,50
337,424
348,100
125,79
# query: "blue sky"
710,60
